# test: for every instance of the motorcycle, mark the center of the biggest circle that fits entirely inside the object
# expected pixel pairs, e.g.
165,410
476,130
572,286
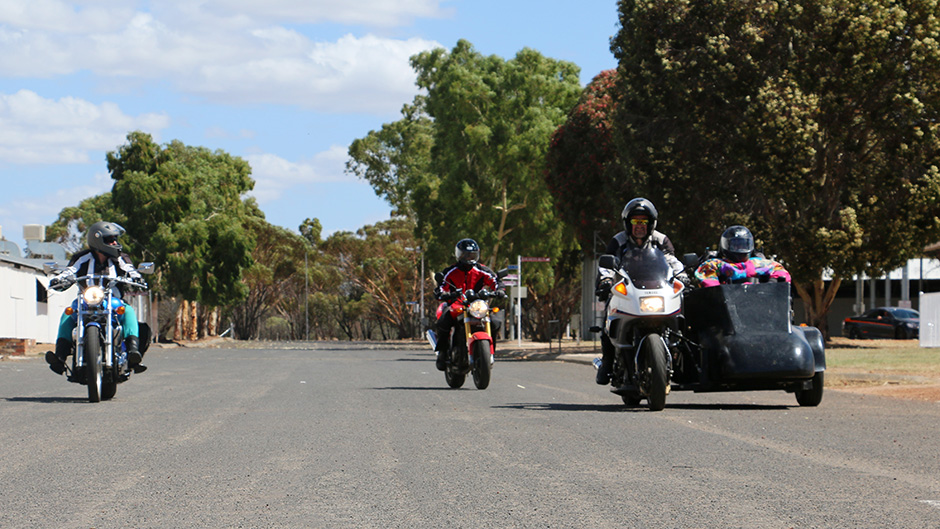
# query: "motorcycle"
472,351
642,314
731,337
99,359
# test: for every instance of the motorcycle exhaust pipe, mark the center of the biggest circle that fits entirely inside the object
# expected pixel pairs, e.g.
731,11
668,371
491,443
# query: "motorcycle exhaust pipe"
597,363
432,338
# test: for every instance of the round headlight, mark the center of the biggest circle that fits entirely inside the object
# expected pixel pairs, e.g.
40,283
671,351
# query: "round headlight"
93,295
478,309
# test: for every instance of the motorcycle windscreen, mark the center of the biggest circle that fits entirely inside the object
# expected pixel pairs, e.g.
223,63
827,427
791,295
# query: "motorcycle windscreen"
647,267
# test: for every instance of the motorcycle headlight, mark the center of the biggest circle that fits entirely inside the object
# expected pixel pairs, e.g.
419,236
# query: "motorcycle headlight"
652,304
93,295
478,309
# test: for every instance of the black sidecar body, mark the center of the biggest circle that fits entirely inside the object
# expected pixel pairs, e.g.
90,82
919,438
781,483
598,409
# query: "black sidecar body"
740,337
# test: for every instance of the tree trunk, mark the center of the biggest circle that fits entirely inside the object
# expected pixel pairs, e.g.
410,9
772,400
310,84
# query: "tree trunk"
818,301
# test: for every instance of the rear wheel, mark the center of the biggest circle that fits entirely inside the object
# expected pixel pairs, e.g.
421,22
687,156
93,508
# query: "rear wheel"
812,396
454,374
92,357
481,364
653,369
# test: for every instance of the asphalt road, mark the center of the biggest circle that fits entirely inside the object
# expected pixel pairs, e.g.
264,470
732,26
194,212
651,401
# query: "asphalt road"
341,437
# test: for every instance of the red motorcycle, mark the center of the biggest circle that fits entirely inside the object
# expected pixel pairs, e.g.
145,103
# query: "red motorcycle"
473,350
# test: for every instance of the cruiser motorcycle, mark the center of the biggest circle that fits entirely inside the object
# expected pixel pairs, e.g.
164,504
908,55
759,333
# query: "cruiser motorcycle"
472,347
99,360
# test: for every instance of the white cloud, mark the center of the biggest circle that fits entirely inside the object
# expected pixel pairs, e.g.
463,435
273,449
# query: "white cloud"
275,176
229,51
37,130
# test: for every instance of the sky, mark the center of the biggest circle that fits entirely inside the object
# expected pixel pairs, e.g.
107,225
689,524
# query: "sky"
286,85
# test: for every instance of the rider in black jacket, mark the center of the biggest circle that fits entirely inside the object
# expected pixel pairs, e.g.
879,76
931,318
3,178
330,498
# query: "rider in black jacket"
102,257
639,218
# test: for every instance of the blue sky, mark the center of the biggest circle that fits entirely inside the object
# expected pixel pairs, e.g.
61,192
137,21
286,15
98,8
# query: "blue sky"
285,84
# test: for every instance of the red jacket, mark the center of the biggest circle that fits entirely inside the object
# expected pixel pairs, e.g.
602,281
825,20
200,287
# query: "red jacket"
475,279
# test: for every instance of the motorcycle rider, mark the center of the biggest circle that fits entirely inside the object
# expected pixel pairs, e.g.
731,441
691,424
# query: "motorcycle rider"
464,275
103,256
737,261
639,218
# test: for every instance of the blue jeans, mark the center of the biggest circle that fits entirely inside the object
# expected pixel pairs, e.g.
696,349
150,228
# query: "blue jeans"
128,321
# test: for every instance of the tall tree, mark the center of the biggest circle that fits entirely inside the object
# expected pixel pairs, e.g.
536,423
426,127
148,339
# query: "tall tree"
185,206
814,122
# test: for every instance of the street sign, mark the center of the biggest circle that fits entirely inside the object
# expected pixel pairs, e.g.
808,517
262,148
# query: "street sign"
512,267
535,259
519,292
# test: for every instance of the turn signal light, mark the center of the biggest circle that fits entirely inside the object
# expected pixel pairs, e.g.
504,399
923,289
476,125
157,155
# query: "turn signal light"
677,286
69,311
120,310
620,287
495,309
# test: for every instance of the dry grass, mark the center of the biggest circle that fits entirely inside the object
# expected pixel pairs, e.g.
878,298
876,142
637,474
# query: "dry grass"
894,357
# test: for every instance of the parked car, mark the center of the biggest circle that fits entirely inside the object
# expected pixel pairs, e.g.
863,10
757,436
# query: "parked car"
883,322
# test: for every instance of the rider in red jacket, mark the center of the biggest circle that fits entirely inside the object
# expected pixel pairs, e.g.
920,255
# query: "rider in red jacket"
464,275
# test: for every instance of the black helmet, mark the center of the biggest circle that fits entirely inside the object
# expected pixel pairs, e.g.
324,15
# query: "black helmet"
736,244
467,253
639,206
103,237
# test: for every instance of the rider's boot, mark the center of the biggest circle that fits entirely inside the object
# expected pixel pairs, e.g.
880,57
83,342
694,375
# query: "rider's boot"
134,356
56,360
441,362
605,371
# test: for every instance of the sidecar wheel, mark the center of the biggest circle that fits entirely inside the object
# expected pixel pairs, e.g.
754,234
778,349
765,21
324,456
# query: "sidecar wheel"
92,354
481,361
811,397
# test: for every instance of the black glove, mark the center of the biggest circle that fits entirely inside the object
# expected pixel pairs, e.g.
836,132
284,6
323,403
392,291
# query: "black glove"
500,294
603,289
62,282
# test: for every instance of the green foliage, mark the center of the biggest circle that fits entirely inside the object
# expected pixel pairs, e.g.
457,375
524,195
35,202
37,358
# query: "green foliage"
814,122
185,209
582,171
69,228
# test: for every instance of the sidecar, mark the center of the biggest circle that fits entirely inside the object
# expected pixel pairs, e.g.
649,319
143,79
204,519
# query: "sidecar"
740,338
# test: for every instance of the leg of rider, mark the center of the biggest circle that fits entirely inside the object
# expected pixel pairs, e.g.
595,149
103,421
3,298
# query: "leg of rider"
63,345
131,340
607,360
444,324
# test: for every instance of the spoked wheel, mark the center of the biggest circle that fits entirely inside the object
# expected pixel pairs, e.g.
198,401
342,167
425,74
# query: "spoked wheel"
481,364
92,357
811,397
653,368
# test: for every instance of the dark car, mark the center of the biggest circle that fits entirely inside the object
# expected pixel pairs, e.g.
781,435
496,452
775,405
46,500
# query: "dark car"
883,322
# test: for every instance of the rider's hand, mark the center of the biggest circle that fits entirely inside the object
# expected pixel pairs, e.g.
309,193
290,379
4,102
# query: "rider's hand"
501,294
603,289
61,282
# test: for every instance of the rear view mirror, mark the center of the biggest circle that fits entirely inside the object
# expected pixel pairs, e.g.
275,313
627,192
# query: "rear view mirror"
690,260
607,261
145,268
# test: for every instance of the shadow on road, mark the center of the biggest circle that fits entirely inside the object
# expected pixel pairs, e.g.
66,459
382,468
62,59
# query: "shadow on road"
47,400
620,408
415,388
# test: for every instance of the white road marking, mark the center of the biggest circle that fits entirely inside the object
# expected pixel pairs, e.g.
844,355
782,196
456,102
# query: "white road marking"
932,503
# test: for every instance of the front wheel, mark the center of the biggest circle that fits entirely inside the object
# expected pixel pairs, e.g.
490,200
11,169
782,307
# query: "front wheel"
481,364
92,357
814,395
653,375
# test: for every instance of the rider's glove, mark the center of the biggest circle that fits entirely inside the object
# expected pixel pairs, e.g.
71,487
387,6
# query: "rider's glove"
501,294
62,282
603,289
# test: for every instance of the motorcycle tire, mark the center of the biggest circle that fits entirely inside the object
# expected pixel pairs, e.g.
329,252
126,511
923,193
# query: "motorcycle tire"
92,357
811,397
481,364
654,364
453,379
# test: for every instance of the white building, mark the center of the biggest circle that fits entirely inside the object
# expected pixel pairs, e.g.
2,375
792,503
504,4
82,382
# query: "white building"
28,309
